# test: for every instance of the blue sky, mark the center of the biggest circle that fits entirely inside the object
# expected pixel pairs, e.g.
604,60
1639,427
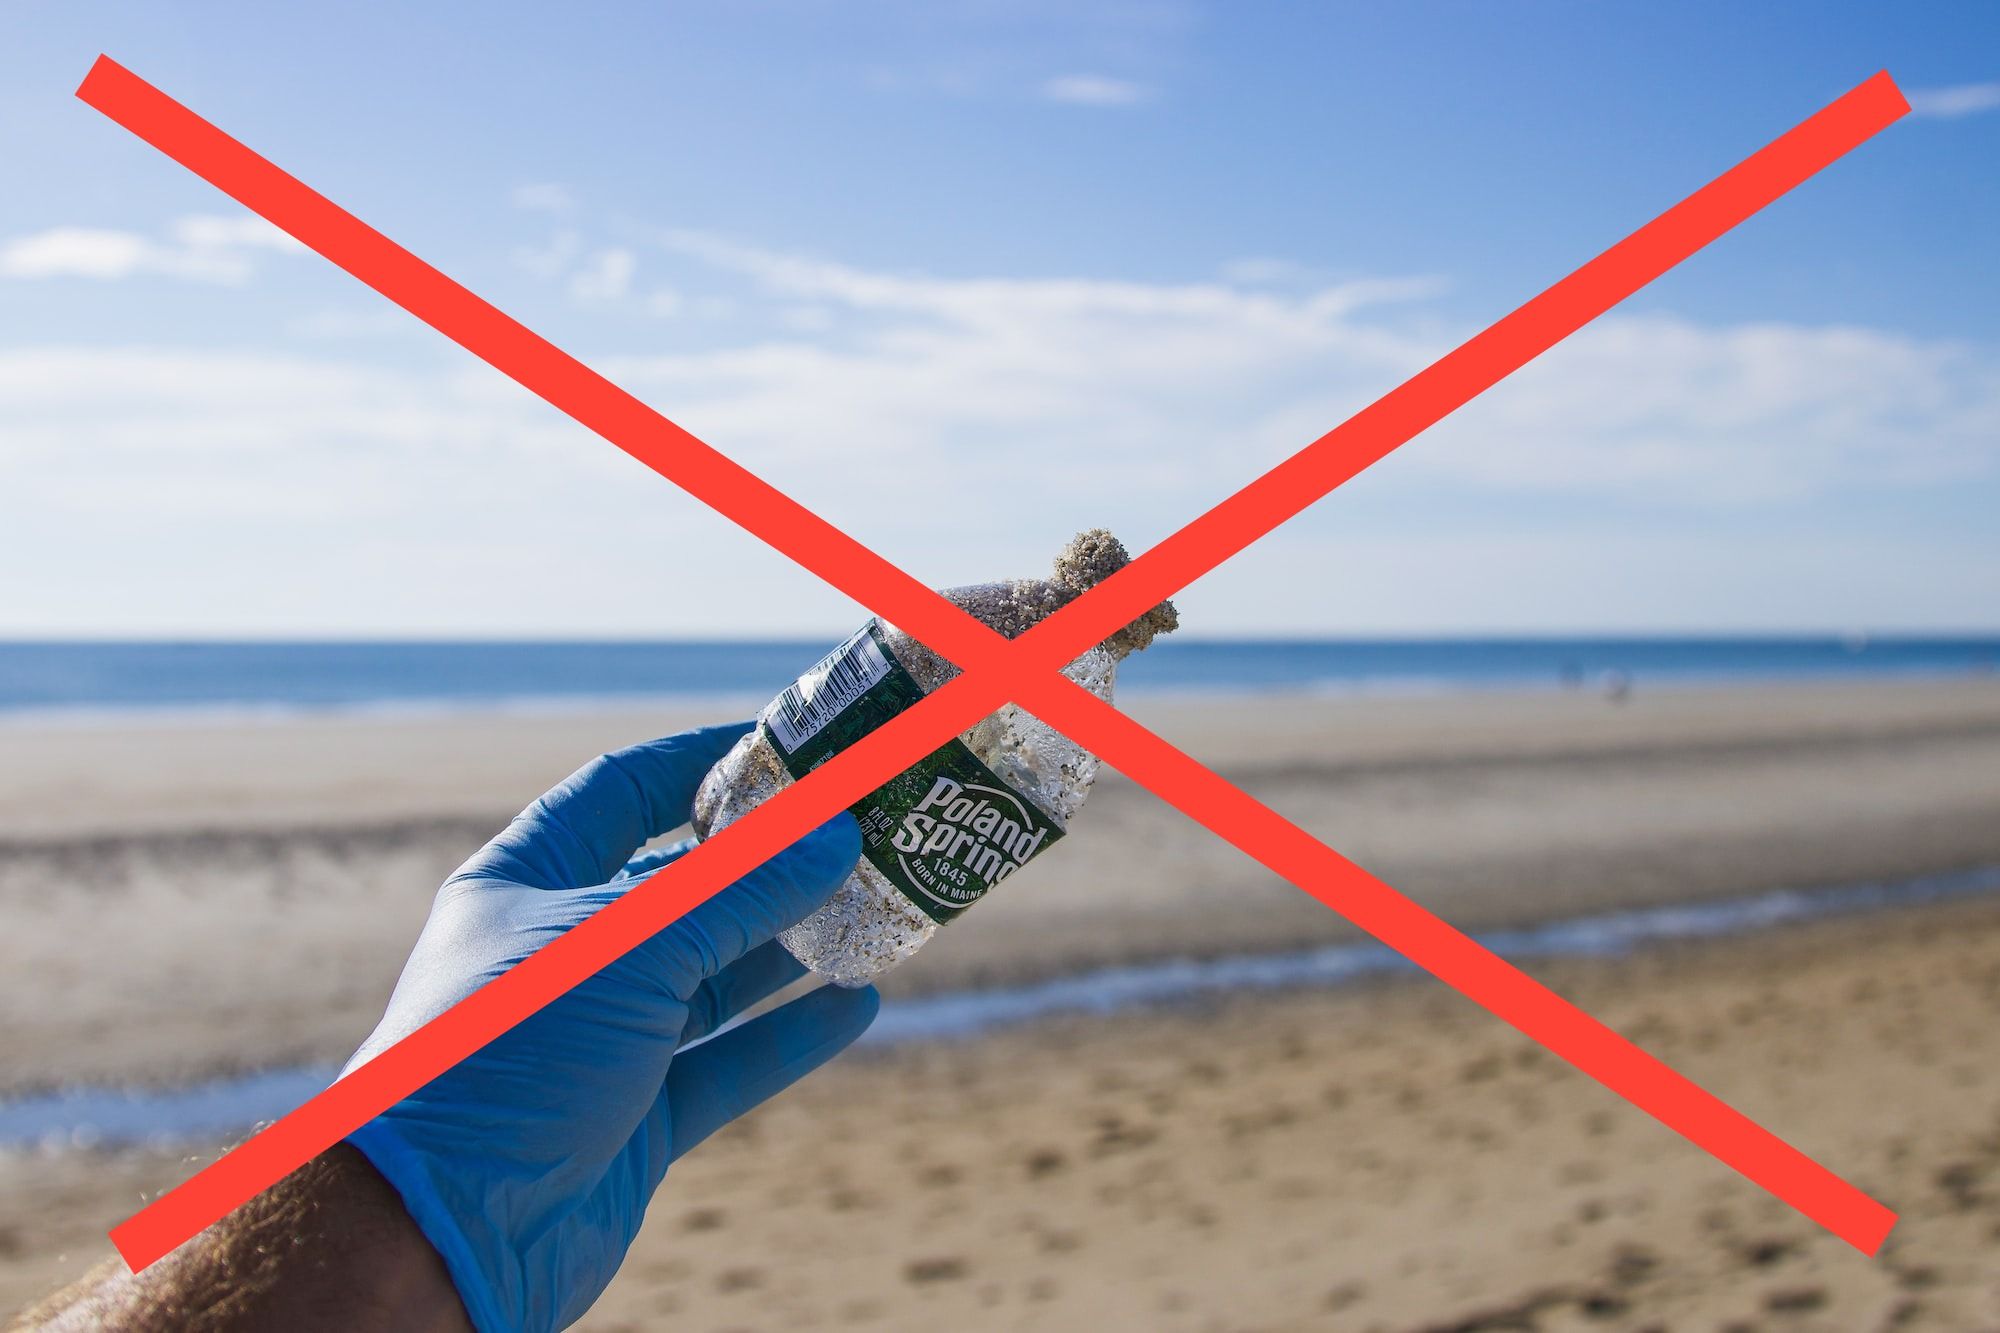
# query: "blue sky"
968,276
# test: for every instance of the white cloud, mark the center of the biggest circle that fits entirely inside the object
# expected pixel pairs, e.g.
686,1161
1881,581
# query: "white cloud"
1148,387
963,425
1085,378
1093,90
358,322
149,412
198,248
806,318
239,231
587,276
1750,414
154,490
551,258
82,252
605,276
988,302
1950,103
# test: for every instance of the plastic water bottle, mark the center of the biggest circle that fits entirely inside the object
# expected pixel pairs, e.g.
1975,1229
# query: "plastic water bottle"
938,836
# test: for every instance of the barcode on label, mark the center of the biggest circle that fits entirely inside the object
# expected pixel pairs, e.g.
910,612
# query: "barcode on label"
823,693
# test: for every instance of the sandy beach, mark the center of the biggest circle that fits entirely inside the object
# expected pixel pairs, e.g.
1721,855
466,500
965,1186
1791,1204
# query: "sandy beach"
186,900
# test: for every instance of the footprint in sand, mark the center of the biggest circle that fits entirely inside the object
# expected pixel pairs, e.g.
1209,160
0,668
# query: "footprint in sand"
1766,1251
704,1219
1632,1265
919,1272
1044,1162
1795,1300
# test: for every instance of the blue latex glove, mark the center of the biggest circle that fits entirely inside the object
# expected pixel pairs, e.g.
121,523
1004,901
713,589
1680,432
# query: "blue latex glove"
530,1164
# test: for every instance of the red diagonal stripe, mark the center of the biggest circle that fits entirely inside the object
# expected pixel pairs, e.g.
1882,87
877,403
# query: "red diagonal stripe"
1467,371
551,971
659,443
602,406
532,361
1461,962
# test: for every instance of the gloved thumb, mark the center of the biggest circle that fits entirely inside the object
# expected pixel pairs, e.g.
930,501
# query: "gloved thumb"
779,894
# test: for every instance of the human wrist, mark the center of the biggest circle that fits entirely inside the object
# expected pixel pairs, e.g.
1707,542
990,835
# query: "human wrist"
490,1300
329,1247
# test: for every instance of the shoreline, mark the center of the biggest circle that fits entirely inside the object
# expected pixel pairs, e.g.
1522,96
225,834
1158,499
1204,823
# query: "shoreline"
128,1117
248,894
85,717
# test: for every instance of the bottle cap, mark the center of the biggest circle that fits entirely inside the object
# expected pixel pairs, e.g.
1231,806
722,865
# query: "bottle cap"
1089,559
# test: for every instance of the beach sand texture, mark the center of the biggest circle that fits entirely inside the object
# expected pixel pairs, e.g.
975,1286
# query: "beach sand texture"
188,900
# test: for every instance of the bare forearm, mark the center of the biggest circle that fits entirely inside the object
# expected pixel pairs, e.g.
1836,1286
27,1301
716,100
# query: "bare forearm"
328,1247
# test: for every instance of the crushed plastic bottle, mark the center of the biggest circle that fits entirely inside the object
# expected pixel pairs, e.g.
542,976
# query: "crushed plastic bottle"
938,836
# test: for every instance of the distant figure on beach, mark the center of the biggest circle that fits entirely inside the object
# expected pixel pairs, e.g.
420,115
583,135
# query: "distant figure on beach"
504,1193
1617,685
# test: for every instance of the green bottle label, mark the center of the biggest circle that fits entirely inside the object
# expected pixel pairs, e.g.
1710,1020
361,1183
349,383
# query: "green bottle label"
943,831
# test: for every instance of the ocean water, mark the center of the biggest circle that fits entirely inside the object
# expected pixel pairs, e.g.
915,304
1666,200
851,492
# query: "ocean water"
95,679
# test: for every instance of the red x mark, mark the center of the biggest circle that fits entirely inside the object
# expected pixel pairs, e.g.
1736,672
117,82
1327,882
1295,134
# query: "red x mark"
995,669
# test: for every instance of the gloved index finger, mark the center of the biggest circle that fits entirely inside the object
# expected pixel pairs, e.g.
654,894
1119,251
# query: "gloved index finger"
585,828
777,895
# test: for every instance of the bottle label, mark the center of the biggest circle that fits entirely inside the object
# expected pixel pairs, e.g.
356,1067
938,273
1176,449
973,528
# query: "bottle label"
943,831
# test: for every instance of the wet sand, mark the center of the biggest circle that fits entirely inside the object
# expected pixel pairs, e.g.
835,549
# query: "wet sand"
1390,1160
248,893
1379,1157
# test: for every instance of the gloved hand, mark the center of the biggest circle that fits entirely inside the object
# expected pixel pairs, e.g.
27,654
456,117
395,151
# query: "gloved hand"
529,1165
